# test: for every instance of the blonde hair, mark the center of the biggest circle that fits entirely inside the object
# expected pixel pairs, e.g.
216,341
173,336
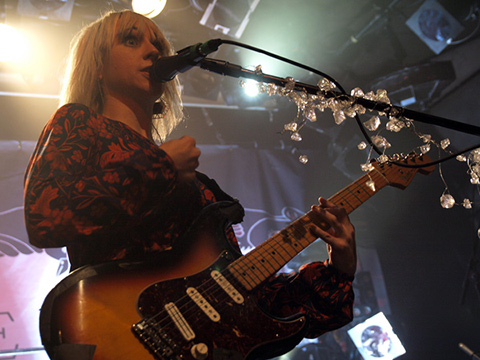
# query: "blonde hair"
90,51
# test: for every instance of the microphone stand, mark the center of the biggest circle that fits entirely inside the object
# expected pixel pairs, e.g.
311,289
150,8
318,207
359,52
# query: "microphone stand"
233,70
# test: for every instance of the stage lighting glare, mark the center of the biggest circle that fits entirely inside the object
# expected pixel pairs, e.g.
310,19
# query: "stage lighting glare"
14,46
251,88
148,8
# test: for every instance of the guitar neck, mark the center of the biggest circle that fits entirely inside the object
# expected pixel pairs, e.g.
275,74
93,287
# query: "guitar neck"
266,259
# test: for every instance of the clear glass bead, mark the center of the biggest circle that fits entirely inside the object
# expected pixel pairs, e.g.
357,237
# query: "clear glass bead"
310,115
371,184
380,141
425,148
272,89
447,201
296,136
350,112
426,138
359,109
474,156
395,125
461,158
366,167
290,85
339,117
373,123
326,85
291,126
357,92
382,96
362,145
303,159
445,143
467,204
383,158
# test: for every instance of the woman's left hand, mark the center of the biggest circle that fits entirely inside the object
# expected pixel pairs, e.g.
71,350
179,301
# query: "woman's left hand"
339,237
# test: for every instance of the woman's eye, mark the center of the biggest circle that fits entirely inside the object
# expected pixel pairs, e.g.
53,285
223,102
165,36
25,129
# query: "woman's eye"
131,41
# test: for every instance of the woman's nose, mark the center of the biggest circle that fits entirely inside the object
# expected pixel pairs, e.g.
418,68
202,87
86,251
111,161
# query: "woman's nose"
151,51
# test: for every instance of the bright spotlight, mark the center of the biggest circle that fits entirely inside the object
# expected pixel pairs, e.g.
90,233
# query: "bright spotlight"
251,88
14,47
148,8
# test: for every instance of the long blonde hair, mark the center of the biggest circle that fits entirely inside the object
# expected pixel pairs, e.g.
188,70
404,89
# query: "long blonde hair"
90,51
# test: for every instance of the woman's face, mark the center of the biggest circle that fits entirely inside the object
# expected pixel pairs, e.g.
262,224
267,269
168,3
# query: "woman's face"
126,74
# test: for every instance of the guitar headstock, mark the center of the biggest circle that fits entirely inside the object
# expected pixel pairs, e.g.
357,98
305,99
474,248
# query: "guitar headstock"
400,170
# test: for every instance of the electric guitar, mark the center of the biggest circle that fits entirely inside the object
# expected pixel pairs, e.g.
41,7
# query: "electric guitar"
194,302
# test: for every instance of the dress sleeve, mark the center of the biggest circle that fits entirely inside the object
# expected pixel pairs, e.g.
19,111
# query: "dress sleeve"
85,179
319,292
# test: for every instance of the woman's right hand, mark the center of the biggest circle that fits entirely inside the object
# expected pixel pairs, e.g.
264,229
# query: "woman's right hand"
184,154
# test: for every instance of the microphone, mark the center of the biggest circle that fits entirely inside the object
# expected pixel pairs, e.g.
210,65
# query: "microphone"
166,68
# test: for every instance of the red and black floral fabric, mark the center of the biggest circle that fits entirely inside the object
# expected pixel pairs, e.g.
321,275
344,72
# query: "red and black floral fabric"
105,192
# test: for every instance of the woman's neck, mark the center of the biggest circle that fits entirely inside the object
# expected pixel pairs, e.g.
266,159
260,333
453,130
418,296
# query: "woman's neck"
138,117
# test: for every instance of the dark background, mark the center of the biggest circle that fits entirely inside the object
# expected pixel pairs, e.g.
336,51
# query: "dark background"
425,250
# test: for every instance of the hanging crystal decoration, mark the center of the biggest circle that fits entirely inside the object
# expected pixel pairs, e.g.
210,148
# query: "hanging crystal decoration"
447,201
461,158
425,148
290,85
357,92
383,158
310,115
445,143
395,125
362,145
326,85
349,111
371,184
339,117
380,141
359,109
366,167
426,138
272,89
475,174
474,156
382,96
296,136
370,96
467,204
291,126
303,159
373,123
474,179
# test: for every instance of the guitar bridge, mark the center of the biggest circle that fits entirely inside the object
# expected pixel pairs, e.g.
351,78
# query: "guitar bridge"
156,340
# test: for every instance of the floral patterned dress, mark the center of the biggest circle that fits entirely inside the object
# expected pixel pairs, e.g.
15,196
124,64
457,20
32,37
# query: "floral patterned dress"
105,192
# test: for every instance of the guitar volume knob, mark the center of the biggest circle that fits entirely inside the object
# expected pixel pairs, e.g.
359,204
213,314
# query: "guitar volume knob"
199,351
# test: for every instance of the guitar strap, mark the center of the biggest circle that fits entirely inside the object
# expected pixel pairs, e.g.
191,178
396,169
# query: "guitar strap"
212,185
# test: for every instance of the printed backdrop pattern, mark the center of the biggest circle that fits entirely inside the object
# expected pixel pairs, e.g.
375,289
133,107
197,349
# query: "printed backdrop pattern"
271,185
